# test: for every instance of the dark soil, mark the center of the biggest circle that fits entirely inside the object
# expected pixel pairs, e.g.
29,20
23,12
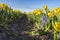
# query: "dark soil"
17,29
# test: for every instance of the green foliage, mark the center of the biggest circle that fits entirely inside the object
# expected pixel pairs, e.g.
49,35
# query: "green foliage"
7,15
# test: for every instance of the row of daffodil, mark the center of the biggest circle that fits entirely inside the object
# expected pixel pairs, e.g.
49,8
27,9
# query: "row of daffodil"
7,14
46,19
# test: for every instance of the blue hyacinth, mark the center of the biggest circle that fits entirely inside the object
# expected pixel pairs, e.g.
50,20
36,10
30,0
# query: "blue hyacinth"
44,19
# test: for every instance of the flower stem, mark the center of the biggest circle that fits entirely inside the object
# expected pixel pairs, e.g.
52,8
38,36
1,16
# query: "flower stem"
55,35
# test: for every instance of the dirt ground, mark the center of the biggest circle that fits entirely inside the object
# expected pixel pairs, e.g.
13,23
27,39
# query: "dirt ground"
22,25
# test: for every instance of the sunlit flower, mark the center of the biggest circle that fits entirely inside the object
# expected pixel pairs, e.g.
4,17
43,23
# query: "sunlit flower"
37,11
57,26
45,7
3,5
50,14
56,10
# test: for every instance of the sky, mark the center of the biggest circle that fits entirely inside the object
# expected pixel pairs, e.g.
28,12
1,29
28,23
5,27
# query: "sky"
29,5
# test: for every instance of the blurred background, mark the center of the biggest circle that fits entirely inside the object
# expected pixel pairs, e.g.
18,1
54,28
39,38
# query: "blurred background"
29,5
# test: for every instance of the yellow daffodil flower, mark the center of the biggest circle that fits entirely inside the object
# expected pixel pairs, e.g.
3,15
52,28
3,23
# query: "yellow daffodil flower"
4,6
37,12
57,26
45,7
50,14
57,10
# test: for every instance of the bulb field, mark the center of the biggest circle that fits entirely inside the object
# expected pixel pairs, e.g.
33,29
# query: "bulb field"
39,24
